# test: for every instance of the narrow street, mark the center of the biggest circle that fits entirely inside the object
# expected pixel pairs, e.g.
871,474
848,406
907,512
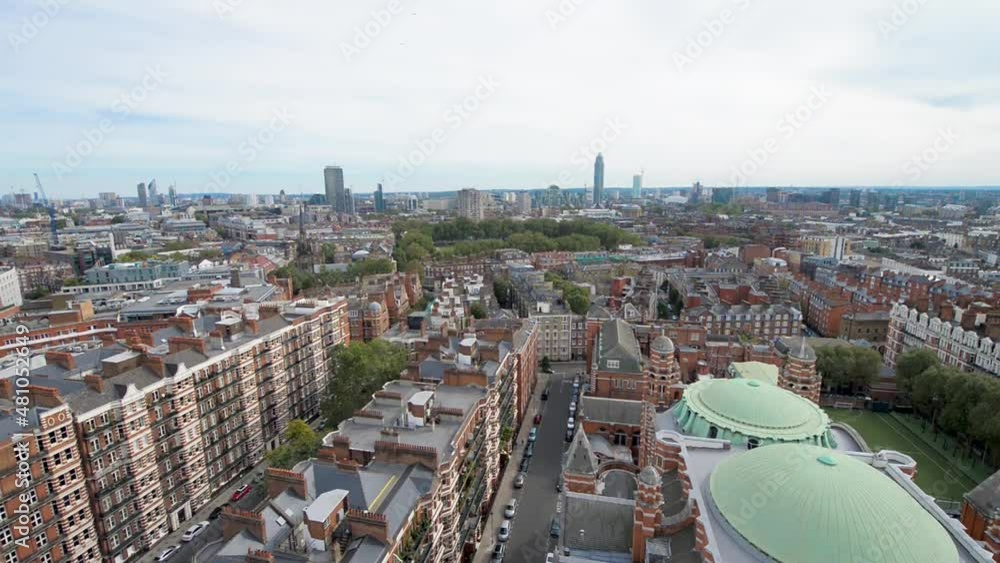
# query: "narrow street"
536,501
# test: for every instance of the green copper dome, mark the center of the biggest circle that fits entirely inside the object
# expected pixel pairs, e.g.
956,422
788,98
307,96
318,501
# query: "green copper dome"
799,503
739,410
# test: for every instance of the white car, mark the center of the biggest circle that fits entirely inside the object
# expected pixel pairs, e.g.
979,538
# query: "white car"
572,407
168,553
508,512
195,531
504,533
571,423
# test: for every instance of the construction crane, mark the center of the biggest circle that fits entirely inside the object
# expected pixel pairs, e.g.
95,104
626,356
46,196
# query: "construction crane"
50,208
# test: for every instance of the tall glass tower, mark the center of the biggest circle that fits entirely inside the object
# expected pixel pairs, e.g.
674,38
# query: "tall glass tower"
599,180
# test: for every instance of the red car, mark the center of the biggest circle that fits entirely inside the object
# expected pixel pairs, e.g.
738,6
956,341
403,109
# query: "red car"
538,418
240,493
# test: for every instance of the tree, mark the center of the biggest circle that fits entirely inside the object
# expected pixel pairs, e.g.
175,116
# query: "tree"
117,219
300,443
503,290
911,364
848,368
546,364
477,310
357,371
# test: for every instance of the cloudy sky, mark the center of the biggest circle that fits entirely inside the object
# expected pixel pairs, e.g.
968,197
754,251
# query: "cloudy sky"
257,95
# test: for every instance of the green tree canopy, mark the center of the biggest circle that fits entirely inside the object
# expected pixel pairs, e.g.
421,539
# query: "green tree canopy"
848,367
911,364
300,442
358,371
478,311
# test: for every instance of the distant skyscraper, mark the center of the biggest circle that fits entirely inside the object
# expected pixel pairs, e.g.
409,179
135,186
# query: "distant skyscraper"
379,200
172,195
333,176
637,186
140,190
773,195
599,179
153,193
348,202
553,197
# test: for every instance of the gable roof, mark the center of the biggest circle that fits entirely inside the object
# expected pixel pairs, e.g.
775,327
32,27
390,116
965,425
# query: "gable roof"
617,342
580,458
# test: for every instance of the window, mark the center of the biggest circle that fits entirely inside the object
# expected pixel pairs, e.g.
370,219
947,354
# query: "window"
5,536
612,364
10,557
41,540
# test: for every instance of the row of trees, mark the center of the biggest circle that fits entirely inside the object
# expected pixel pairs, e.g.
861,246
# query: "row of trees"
962,404
417,241
847,369
304,280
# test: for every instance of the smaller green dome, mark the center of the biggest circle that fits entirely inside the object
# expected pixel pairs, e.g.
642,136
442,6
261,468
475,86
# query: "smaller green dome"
743,409
799,503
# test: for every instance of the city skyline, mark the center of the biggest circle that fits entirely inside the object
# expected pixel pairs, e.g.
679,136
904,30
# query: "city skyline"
876,117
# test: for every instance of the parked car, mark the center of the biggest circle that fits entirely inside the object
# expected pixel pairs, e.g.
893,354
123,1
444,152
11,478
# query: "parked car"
533,435
572,407
538,418
576,383
571,423
195,531
559,484
529,451
550,557
217,511
519,481
504,533
240,493
510,509
545,394
555,529
498,552
569,435
524,464
168,553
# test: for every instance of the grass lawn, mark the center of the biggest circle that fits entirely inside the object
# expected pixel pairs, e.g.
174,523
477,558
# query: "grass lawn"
936,473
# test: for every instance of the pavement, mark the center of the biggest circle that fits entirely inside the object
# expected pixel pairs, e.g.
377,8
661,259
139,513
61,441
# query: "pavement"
537,500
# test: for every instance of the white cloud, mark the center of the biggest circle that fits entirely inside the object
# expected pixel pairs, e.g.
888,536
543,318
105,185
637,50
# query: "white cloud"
226,74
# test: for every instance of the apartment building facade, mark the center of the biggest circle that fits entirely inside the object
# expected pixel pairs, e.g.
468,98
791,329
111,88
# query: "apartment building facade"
955,346
184,407
432,441
45,512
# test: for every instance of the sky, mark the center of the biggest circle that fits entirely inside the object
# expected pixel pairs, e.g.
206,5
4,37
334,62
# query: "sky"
256,96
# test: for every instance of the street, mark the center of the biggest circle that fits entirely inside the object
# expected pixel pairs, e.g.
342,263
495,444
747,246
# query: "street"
536,501
212,536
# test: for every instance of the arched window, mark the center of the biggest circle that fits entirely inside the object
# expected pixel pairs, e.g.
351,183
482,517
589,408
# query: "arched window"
713,432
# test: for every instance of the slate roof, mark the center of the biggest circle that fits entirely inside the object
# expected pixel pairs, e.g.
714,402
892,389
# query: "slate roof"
613,411
580,459
617,343
986,496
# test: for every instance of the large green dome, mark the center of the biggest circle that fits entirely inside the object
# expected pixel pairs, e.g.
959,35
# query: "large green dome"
799,503
739,410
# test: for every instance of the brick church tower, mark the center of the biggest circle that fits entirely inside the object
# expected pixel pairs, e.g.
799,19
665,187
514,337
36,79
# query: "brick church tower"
799,372
663,373
648,512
